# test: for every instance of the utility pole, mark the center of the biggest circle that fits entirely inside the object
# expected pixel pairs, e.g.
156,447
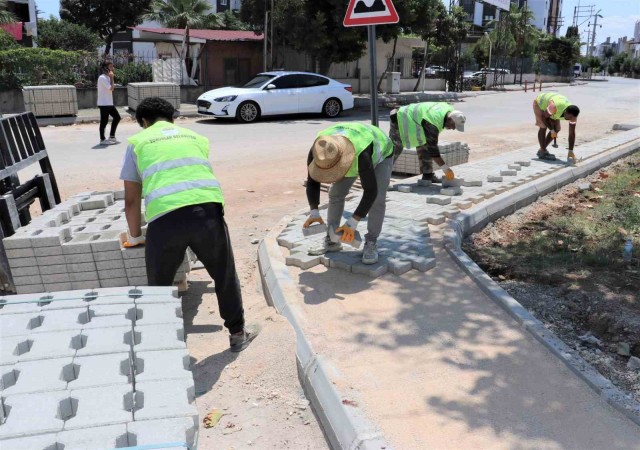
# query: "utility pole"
593,35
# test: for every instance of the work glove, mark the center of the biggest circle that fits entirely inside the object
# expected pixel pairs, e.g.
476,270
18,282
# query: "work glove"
554,135
448,173
348,230
571,155
133,241
314,217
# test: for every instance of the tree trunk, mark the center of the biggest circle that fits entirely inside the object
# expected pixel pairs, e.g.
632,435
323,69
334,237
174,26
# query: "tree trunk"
386,69
187,61
424,66
107,42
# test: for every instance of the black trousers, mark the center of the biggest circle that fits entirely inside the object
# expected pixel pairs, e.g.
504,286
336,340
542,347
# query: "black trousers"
201,227
105,112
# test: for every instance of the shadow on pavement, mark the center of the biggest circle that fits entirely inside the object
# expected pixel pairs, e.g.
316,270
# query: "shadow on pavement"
191,302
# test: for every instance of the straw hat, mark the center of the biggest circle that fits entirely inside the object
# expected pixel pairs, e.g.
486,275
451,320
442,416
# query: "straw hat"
332,158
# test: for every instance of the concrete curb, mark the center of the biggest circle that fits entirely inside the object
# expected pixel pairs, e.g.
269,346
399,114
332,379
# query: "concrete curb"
474,219
345,426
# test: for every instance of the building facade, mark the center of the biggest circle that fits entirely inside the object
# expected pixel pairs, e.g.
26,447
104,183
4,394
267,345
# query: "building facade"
26,28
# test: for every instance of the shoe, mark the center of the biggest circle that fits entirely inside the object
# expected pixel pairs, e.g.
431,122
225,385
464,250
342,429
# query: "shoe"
113,141
546,155
105,142
370,253
431,177
238,342
327,246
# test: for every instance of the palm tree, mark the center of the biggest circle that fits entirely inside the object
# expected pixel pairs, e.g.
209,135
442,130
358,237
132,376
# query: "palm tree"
185,14
6,16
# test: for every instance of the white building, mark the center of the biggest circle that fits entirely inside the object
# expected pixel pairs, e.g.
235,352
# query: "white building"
25,11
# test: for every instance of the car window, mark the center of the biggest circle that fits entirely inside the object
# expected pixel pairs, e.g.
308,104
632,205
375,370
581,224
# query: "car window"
286,82
311,81
258,81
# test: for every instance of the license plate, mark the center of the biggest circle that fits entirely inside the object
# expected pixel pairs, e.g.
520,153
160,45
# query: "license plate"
202,109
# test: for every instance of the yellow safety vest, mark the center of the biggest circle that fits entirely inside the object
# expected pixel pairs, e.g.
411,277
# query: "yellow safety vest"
361,136
410,119
561,102
175,168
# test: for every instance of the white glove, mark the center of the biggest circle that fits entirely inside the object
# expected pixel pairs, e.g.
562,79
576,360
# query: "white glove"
352,223
448,173
134,241
314,217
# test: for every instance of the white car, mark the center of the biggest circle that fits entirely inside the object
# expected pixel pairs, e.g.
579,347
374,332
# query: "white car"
272,93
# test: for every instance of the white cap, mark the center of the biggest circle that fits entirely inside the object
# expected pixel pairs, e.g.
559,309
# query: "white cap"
458,118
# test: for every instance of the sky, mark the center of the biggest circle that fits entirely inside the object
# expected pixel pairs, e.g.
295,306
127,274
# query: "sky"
618,21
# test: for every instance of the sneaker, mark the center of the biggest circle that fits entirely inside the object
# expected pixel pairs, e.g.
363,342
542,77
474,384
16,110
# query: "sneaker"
113,141
327,246
370,253
238,342
105,142
546,155
431,177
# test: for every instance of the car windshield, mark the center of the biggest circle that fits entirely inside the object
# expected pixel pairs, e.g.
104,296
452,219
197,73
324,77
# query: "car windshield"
258,81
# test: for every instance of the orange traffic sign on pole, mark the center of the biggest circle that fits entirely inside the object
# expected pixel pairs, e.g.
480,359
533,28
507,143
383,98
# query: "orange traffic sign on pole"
370,12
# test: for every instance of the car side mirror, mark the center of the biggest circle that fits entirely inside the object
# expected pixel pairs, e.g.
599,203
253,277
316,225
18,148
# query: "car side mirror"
270,86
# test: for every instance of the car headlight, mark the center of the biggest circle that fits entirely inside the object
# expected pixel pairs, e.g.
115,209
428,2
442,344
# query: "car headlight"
228,98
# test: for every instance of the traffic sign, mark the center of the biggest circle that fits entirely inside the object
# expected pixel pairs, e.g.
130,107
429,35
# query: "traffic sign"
370,12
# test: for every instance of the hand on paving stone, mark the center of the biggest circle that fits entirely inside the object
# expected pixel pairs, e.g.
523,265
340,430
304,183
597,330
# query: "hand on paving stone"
348,230
448,173
314,217
134,241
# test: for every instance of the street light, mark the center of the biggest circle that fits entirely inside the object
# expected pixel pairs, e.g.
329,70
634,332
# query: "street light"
490,45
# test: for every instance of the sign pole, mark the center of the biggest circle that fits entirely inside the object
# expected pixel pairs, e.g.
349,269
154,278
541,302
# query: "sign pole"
371,32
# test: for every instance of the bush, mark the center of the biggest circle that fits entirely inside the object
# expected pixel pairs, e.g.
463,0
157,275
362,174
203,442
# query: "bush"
62,35
41,66
133,73
7,41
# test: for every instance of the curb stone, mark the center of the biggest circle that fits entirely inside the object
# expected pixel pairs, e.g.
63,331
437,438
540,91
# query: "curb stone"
474,219
345,426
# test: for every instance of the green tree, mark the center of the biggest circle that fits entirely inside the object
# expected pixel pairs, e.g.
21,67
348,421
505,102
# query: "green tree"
7,42
63,35
184,14
312,27
563,52
426,17
617,63
573,32
228,20
6,16
451,29
106,18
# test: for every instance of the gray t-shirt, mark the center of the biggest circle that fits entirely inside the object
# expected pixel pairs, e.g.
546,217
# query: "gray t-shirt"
130,170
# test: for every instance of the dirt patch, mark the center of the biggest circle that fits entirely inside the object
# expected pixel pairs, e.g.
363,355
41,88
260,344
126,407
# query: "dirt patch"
562,258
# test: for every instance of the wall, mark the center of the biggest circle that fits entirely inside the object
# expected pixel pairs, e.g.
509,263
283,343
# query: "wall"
361,86
216,52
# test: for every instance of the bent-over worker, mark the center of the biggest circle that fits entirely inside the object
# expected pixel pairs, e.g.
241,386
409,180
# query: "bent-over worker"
548,109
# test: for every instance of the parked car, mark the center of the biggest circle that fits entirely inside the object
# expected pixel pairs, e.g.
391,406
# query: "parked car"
277,92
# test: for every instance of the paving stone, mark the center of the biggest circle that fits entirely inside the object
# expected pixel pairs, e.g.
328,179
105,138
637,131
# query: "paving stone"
523,163
41,346
19,324
371,270
39,442
436,219
133,253
21,262
106,267
159,337
165,399
424,183
100,341
439,199
106,241
50,237
302,260
19,420
25,271
138,281
162,365
508,173
108,274
20,253
150,314
47,251
134,262
112,436
314,229
423,264
45,375
398,266
50,260
79,244
136,272
515,167
56,278
451,191
116,403
474,183
153,432
404,189
456,182
101,370
155,299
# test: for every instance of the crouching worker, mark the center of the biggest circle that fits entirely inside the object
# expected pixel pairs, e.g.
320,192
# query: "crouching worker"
548,109
169,166
339,155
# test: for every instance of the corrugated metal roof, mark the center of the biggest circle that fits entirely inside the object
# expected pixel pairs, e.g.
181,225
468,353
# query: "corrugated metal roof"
209,35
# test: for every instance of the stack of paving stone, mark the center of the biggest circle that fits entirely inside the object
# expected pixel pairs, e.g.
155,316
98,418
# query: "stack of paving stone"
95,369
454,153
78,245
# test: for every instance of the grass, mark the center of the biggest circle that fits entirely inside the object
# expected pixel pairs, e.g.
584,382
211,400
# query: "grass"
582,238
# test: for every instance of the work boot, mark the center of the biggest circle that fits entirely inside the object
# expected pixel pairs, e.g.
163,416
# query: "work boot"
240,341
327,246
431,177
545,155
370,253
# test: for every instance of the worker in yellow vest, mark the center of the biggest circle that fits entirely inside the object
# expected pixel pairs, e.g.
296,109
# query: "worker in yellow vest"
418,126
549,108
339,155
169,166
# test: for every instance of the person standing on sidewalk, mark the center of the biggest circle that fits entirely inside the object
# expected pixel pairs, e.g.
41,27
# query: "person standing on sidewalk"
548,109
184,207
106,86
418,126
339,155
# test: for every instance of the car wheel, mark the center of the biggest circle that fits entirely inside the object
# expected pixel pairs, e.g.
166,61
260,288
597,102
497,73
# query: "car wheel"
248,112
332,107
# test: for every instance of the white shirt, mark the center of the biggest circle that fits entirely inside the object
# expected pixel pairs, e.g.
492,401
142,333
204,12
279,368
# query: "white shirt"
105,95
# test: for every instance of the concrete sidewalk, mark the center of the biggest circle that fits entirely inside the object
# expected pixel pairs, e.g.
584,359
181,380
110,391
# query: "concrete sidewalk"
428,360
360,102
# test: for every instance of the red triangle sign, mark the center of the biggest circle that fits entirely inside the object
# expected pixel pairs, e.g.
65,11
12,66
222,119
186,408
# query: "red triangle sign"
370,12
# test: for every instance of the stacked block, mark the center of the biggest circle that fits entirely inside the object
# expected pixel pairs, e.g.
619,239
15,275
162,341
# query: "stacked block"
454,153
79,245
136,92
50,101
104,368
